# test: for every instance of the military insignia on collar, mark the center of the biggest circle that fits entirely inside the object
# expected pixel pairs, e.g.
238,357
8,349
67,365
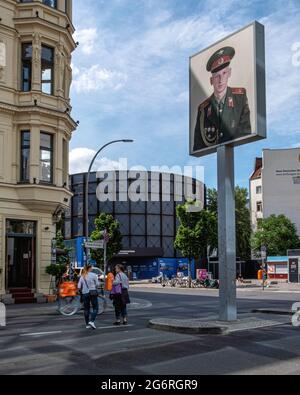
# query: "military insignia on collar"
230,102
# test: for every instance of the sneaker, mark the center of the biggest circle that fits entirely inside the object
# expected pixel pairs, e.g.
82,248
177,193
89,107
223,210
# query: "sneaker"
125,322
88,327
117,323
92,325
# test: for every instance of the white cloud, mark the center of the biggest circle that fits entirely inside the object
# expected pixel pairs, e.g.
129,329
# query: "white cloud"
96,78
183,97
283,78
80,159
86,39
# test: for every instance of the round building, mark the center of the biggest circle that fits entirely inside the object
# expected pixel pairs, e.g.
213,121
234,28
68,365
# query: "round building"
144,204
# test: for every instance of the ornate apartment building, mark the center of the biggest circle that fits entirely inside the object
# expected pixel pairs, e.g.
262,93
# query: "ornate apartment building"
36,126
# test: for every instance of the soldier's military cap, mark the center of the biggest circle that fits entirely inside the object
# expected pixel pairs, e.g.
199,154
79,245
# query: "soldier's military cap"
220,59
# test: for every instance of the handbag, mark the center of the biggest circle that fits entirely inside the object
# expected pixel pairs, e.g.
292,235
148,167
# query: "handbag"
92,292
116,289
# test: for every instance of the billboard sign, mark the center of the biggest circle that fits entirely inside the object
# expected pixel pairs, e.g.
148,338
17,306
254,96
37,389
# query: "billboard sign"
228,92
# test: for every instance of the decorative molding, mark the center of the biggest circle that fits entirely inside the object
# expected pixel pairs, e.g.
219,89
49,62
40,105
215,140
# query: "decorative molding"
12,109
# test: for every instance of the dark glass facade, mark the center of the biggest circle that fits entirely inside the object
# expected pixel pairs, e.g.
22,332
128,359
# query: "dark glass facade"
144,225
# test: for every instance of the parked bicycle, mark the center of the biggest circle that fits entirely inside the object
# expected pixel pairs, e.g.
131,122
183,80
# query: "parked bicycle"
69,301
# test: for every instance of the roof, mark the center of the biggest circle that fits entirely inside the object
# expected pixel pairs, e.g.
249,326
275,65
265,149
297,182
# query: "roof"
257,169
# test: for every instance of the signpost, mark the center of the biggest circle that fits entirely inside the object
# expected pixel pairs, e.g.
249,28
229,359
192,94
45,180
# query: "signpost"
98,245
264,265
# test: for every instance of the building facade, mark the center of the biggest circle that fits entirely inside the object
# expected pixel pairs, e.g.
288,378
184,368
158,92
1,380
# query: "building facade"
275,185
35,129
147,222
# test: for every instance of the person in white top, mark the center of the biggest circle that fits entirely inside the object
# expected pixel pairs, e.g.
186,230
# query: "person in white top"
87,285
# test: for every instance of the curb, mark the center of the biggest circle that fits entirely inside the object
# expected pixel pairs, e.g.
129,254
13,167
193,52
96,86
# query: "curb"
198,329
273,311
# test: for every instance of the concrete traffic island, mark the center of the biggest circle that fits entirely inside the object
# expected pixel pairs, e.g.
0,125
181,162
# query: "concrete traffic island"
274,311
215,327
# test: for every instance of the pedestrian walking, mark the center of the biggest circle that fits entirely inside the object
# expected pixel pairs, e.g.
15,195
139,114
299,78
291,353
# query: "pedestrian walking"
88,284
120,295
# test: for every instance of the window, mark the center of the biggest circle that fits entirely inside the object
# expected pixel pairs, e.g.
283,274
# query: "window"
14,227
47,69
259,207
25,156
46,158
258,190
26,67
50,3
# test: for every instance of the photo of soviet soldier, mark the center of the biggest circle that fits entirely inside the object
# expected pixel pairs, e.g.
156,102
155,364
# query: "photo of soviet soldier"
225,115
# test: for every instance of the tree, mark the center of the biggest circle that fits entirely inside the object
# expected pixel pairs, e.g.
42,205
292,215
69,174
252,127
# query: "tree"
195,233
243,224
277,233
243,221
62,259
108,223
62,252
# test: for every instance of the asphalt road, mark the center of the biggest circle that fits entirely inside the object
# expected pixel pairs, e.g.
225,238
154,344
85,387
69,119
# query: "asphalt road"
39,341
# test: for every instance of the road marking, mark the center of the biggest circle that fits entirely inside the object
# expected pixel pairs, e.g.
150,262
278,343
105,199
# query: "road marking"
58,332
41,333
114,326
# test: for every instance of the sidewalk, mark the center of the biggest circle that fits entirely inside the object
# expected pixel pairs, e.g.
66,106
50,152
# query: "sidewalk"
254,285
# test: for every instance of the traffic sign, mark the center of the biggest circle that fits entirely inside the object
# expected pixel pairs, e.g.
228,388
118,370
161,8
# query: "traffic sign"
94,245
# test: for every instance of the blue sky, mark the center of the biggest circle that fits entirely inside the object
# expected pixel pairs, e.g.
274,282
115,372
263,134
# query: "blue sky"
131,80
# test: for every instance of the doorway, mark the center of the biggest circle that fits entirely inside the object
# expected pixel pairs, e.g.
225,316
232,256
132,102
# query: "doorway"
20,255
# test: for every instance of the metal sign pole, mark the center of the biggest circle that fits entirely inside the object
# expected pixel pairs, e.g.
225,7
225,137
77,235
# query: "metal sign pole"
227,234
104,257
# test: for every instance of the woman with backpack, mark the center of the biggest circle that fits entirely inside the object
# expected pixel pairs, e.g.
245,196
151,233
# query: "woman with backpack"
120,295
88,285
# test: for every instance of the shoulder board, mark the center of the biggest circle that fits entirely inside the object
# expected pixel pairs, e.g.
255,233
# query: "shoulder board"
238,91
204,104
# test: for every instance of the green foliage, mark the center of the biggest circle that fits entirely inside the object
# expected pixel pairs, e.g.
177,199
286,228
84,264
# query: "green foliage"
243,220
197,230
106,221
277,233
212,200
243,224
62,257
56,270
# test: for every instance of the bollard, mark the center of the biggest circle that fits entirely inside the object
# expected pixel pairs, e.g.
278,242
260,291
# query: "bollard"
2,314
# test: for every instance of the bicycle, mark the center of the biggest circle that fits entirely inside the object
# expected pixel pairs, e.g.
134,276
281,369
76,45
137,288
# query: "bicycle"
71,305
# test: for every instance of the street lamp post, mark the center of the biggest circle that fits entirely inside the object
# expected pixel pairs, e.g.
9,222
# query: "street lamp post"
87,185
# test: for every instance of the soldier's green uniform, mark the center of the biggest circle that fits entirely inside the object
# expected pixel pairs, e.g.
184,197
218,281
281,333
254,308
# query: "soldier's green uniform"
219,123
229,119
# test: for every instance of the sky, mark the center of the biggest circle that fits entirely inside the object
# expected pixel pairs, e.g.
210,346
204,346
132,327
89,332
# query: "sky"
131,79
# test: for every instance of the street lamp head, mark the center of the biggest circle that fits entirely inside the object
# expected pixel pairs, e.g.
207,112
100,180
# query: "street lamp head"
128,141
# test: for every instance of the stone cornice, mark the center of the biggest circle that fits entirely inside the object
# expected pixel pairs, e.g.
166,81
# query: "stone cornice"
43,22
12,109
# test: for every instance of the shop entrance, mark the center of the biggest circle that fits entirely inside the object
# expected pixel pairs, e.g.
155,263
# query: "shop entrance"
20,254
